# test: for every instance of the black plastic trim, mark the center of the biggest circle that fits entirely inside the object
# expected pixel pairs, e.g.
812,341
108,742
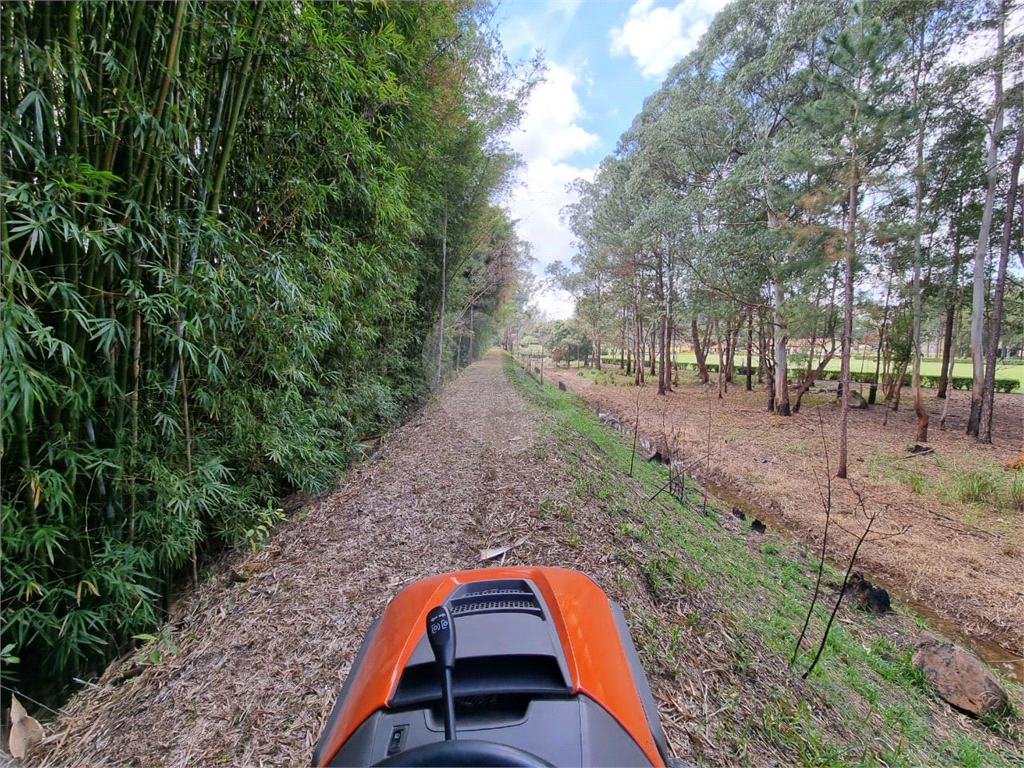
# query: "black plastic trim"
643,686
480,676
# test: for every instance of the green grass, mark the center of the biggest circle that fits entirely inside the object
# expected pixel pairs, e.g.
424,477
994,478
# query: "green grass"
722,583
974,485
1013,369
969,753
929,367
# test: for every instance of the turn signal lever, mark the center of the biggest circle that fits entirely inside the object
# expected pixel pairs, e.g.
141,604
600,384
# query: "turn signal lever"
441,634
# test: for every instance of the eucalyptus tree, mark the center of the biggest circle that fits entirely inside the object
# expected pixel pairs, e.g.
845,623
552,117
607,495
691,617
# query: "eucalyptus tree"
616,207
982,249
995,323
592,282
761,47
954,177
680,145
850,132
931,28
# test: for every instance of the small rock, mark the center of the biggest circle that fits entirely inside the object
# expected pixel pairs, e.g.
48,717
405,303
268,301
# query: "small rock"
659,458
959,677
856,400
757,526
867,595
738,513
561,386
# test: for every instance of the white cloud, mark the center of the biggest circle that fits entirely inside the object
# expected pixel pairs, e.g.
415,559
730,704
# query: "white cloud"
547,137
541,29
554,304
518,33
567,8
659,37
549,131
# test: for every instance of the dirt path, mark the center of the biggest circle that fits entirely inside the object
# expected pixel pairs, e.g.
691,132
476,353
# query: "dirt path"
961,561
258,664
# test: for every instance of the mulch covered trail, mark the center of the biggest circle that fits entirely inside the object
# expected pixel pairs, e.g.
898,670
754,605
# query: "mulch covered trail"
260,663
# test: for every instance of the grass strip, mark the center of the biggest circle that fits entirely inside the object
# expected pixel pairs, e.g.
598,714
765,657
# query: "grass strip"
743,598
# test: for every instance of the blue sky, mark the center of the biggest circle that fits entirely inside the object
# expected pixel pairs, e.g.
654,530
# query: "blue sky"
604,57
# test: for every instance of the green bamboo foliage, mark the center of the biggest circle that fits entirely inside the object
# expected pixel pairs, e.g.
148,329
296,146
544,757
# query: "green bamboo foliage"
218,275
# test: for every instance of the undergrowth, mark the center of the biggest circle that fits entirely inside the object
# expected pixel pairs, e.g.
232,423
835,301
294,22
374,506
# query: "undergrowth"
743,597
975,488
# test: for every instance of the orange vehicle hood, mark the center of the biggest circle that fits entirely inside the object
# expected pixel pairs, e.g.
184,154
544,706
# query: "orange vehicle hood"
582,616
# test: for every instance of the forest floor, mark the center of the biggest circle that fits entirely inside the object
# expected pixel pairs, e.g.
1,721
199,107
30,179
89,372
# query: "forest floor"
249,666
957,553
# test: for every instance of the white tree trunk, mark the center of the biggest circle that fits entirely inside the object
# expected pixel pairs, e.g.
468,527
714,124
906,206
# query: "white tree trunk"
978,299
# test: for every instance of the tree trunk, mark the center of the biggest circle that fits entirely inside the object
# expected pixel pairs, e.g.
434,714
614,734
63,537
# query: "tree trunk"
721,361
947,336
735,346
724,361
978,299
634,343
949,376
781,370
898,383
444,271
750,343
847,335
762,363
625,353
872,394
698,350
954,292
812,377
668,324
662,370
995,323
919,409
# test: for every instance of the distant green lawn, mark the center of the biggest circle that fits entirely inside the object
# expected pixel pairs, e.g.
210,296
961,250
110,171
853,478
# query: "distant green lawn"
1013,369
929,367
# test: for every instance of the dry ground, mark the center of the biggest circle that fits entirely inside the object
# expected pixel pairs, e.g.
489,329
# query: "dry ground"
962,561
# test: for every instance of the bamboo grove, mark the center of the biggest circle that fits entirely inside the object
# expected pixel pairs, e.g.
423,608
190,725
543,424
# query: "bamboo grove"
819,172
222,230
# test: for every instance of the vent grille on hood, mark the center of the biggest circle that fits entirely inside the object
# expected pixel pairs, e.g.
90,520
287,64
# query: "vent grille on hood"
514,596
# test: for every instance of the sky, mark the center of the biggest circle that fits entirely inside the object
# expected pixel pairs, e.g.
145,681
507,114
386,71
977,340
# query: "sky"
604,57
